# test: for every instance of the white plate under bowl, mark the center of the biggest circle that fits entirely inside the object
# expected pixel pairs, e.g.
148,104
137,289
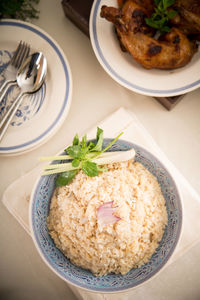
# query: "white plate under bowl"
42,113
127,72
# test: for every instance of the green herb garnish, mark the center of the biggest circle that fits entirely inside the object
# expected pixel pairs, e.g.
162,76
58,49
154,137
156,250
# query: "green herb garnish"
66,177
160,18
18,9
83,155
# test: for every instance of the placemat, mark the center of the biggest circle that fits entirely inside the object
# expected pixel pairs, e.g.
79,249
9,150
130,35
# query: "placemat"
126,121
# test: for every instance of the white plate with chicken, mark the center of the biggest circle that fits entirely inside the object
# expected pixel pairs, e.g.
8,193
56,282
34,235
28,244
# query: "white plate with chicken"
139,53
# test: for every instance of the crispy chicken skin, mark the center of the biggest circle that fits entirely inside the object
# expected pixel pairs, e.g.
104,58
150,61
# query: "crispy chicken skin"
148,4
173,51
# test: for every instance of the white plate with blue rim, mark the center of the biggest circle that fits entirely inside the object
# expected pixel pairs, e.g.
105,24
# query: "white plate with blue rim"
127,72
41,114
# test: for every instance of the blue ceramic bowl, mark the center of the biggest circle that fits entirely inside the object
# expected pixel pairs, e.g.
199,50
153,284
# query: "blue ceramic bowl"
39,209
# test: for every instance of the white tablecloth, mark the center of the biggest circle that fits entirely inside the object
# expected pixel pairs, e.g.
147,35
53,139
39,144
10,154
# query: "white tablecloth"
95,96
120,121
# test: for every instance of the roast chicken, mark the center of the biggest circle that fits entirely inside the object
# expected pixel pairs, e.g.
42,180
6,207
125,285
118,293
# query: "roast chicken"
171,50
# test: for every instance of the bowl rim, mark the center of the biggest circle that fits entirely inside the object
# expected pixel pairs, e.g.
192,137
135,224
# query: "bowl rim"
156,272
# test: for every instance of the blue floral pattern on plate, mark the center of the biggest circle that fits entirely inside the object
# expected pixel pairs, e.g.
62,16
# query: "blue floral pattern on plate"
40,202
30,105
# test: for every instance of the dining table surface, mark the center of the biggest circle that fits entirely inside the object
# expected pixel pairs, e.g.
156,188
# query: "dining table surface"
95,95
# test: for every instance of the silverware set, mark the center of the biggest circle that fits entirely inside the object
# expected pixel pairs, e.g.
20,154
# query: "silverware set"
28,73
10,73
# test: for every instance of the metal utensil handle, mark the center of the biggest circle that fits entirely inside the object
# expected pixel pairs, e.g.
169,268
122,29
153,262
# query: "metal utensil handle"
9,115
5,88
3,85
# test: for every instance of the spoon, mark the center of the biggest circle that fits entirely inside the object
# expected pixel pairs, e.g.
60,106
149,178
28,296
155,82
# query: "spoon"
30,78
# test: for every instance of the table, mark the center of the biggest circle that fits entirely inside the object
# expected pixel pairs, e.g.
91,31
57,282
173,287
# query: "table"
95,95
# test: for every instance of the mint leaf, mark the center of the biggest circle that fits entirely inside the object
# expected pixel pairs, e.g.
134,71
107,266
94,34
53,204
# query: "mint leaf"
99,133
168,3
161,15
150,22
157,2
90,168
84,141
76,140
166,29
65,178
171,14
160,7
90,146
75,162
74,151
99,144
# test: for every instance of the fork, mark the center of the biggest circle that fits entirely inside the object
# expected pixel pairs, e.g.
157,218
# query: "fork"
21,53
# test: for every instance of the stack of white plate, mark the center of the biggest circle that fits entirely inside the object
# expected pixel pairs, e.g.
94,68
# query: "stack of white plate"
41,114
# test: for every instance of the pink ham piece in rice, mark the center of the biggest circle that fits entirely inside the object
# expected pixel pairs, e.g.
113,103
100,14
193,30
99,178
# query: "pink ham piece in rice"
105,214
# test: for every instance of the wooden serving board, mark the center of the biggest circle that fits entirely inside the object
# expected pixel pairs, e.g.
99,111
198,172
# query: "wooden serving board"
78,11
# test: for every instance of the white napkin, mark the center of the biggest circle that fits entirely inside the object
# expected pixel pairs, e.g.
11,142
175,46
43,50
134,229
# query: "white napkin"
120,120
